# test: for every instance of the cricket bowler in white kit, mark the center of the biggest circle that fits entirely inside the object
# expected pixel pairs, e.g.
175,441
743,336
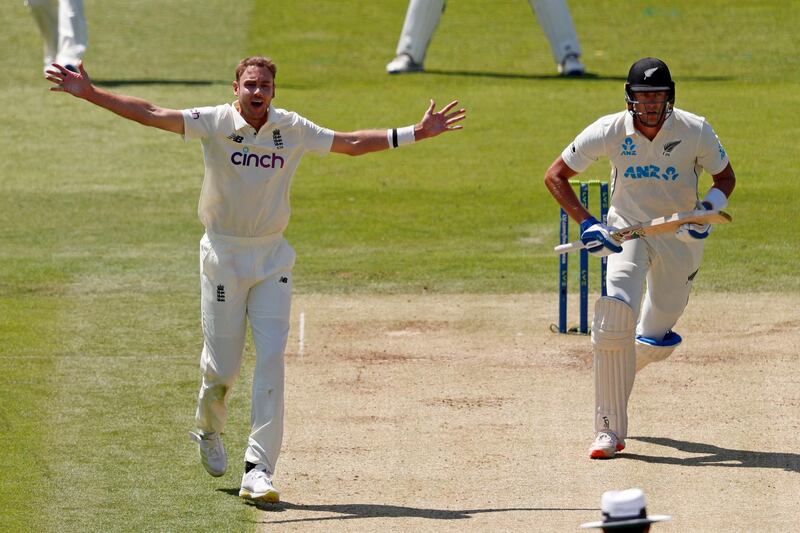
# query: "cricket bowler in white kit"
657,154
251,151
422,18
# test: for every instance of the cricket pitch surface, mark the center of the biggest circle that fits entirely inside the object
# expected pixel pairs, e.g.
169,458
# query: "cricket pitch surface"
466,413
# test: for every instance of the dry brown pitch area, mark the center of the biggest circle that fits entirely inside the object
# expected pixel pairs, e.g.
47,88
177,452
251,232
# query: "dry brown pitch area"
465,413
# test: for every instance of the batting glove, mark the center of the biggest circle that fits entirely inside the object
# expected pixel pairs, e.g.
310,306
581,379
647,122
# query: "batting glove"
596,236
694,232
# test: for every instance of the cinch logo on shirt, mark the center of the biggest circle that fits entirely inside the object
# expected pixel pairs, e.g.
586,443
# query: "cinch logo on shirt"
651,171
628,148
246,159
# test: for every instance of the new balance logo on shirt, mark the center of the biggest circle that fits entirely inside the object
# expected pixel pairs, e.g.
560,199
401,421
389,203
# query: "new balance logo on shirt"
236,138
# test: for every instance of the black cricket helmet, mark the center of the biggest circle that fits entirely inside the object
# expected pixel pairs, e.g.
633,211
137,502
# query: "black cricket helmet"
649,75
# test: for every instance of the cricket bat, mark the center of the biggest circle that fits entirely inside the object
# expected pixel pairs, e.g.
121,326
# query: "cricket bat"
656,226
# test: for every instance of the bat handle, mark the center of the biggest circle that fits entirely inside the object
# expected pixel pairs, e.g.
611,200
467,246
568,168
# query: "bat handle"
569,247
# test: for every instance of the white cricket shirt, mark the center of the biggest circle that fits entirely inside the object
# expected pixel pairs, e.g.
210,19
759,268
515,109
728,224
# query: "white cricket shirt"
245,190
654,178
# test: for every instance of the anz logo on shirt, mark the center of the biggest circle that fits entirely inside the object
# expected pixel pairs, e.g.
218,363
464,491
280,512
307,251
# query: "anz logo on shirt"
628,148
721,152
651,171
247,159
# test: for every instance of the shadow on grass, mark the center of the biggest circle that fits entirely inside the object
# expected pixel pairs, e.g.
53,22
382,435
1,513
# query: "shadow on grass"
711,455
368,510
518,76
588,76
145,81
186,83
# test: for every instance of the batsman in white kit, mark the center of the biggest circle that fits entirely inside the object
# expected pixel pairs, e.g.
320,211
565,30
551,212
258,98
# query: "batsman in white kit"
657,154
251,151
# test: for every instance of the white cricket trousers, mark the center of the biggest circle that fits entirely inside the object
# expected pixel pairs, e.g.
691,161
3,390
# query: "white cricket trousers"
241,280
63,27
668,266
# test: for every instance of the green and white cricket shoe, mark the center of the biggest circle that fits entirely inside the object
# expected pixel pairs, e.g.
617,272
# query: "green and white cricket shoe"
257,485
212,452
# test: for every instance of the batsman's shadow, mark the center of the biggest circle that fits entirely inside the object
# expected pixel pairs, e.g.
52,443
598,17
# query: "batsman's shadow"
710,455
350,511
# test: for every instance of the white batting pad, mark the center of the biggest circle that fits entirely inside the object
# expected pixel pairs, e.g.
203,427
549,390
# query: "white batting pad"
613,331
650,351
556,22
422,17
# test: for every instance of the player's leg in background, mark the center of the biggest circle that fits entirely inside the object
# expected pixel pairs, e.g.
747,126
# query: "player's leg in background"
556,22
73,36
268,310
223,308
45,13
422,18
669,282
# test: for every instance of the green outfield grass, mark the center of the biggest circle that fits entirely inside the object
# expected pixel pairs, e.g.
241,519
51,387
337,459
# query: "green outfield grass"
99,334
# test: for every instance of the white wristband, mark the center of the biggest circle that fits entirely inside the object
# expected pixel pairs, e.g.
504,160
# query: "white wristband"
716,198
400,136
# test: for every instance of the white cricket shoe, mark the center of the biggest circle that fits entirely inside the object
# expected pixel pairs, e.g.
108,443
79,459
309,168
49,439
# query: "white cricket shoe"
257,485
212,452
571,66
402,64
605,445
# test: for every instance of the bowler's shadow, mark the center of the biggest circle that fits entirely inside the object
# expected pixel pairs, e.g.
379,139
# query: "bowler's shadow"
371,510
710,455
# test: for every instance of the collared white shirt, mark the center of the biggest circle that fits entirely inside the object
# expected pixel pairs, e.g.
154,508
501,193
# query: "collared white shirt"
654,178
245,190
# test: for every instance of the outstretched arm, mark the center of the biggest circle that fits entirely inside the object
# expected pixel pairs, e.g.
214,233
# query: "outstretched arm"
79,85
433,123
